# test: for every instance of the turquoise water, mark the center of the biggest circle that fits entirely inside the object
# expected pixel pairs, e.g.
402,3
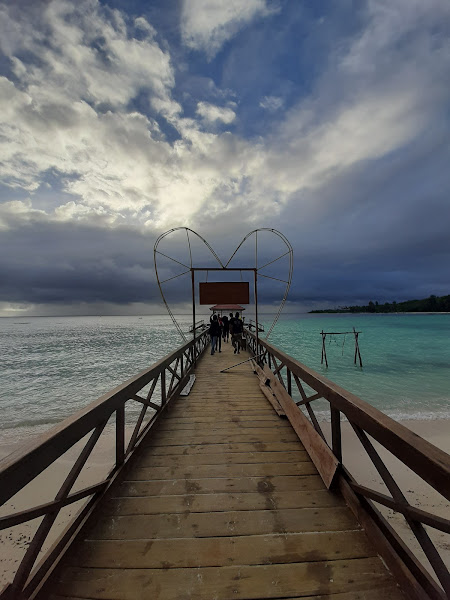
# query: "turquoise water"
53,366
406,358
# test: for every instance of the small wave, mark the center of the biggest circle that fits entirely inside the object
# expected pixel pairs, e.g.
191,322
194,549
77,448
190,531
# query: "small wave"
44,421
324,416
441,415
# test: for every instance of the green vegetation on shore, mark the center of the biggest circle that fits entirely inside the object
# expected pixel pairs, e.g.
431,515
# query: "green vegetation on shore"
431,304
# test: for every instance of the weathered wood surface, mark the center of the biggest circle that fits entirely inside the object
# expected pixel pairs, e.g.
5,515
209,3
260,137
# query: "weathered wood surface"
423,458
321,455
222,501
268,393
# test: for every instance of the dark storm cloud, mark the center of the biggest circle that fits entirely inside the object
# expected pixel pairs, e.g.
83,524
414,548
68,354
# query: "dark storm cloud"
384,234
63,263
57,263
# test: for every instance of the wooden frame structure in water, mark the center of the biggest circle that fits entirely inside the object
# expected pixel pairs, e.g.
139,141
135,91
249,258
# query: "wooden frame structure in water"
324,348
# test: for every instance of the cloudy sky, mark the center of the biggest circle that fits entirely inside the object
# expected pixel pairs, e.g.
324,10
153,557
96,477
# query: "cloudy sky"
121,119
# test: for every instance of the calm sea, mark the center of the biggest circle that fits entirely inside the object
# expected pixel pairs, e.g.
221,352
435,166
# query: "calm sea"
53,366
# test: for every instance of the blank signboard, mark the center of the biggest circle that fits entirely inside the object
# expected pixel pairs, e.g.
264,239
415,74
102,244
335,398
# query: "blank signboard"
225,292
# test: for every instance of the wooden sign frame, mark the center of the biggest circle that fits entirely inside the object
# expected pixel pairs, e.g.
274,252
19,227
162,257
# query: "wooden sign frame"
224,292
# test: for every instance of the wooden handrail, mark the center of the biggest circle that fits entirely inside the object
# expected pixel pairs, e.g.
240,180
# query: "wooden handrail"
23,465
429,462
29,461
426,460
42,509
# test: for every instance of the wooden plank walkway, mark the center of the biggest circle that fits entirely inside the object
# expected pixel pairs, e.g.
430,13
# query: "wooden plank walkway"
222,502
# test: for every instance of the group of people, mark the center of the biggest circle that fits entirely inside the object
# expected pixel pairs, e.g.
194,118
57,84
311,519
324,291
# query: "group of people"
222,327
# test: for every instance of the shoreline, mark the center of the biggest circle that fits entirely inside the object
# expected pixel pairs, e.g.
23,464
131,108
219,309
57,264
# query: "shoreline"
378,312
14,541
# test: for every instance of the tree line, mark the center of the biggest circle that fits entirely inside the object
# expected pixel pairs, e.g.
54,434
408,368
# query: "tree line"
431,304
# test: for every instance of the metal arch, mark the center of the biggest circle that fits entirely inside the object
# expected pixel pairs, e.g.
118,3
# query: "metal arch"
187,229
189,244
290,251
156,251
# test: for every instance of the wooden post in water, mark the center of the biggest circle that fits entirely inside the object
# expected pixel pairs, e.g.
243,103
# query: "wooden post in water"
357,352
324,350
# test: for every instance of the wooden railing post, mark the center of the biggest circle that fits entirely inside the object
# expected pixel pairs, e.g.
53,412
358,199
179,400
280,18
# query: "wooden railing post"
336,438
41,534
120,436
163,387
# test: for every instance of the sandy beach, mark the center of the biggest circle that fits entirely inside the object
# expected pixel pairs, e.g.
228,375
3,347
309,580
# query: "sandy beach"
14,541
417,491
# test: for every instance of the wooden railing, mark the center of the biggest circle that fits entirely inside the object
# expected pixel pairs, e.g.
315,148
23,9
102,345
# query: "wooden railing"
295,387
252,325
198,325
165,378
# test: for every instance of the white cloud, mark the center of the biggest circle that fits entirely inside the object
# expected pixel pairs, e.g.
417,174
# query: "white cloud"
272,103
85,53
213,113
207,24
50,120
381,92
143,24
304,154
69,112
388,25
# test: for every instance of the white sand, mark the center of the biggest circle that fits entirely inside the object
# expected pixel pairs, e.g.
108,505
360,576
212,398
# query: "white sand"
14,541
418,493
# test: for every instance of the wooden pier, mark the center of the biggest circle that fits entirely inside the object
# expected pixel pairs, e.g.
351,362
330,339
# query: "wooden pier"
222,502
215,498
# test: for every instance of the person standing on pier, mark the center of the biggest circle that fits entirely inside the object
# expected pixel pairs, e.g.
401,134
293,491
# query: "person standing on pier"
226,328
219,340
236,334
214,332
230,326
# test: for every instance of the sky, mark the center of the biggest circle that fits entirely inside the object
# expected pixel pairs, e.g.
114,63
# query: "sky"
122,119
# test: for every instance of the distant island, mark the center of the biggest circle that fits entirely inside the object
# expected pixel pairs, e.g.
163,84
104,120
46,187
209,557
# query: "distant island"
434,304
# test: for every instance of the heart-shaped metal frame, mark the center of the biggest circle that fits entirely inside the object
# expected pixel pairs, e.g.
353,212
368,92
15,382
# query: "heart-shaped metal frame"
289,252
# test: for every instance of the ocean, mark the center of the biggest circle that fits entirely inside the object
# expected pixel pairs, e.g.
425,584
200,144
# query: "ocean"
53,366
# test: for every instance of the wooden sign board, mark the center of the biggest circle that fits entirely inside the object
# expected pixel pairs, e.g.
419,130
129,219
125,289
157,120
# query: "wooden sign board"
225,292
